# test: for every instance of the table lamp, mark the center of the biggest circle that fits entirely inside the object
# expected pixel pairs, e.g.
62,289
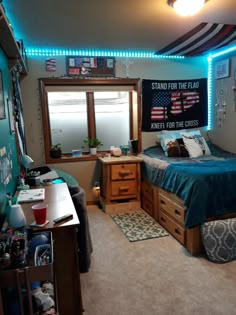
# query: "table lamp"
26,162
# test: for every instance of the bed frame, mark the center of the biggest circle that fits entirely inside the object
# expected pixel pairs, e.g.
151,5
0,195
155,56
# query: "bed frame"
169,210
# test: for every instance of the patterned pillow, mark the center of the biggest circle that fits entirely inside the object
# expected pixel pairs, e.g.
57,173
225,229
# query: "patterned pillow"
173,145
195,143
177,149
219,240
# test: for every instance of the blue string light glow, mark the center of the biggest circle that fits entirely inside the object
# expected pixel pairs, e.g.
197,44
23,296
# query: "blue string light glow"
209,125
31,52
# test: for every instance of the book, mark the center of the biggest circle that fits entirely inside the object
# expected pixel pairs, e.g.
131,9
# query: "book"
30,195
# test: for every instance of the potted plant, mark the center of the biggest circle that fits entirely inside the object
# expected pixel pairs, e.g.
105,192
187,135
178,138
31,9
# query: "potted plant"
93,144
55,150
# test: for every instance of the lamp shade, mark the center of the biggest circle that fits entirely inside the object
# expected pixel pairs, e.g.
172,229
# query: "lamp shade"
16,218
26,161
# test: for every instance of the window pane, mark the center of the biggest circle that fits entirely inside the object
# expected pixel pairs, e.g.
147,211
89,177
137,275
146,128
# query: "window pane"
112,118
68,119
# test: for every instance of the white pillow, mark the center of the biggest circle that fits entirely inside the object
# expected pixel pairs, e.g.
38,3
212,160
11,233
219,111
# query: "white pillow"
195,143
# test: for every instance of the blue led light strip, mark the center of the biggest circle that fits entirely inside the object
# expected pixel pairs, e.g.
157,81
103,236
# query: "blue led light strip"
135,54
97,53
210,80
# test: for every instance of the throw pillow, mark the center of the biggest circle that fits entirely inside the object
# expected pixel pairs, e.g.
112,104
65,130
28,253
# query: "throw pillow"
195,143
219,240
173,145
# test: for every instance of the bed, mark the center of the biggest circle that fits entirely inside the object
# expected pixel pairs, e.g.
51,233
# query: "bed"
182,192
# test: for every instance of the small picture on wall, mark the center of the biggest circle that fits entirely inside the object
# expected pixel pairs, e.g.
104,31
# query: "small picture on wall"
222,69
11,116
2,104
82,66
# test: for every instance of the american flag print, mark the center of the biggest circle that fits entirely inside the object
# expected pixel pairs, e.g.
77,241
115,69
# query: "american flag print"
174,102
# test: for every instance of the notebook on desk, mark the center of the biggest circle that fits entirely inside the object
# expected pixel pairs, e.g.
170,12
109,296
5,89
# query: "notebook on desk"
31,195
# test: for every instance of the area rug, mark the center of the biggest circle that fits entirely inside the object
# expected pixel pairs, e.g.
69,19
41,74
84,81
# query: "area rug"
138,225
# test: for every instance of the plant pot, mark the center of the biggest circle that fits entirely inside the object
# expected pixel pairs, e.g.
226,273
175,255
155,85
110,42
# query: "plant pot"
55,153
93,151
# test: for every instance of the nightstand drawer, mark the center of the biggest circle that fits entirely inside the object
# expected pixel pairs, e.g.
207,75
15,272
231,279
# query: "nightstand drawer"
123,171
177,231
172,208
123,188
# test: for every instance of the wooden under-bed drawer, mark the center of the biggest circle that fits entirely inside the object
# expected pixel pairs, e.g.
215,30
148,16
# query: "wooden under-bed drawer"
176,230
147,191
172,208
147,205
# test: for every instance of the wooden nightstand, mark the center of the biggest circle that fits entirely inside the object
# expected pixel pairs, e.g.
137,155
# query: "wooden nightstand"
120,182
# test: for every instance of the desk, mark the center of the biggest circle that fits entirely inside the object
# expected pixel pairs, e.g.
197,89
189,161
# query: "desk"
66,264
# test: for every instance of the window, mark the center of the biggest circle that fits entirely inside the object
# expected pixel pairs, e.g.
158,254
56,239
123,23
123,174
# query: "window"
74,109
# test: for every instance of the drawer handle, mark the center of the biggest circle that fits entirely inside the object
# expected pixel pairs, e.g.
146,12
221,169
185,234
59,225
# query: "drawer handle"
124,188
177,212
163,202
177,231
162,219
124,173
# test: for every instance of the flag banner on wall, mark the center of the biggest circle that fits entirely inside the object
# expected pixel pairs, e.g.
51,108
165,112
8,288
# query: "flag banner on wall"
173,105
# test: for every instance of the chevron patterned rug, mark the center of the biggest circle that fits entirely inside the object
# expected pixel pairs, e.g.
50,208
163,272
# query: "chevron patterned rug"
138,226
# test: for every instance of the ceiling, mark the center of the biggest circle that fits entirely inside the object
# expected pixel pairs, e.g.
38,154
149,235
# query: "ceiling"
140,25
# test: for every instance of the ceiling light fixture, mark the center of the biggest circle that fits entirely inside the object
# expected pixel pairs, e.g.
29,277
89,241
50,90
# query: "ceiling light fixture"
186,7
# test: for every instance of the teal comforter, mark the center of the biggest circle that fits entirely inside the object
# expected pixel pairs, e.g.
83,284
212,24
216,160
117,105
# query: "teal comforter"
208,189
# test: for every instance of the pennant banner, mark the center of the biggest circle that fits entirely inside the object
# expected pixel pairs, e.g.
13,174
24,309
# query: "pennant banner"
173,105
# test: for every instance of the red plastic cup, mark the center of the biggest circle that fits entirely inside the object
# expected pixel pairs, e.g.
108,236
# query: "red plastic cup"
40,212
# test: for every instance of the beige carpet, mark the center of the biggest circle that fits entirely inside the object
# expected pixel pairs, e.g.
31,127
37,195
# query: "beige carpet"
155,276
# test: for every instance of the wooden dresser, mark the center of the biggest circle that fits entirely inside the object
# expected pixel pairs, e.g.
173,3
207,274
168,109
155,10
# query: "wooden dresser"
120,180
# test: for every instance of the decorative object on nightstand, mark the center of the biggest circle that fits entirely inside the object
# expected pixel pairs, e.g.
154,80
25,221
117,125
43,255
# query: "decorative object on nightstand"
116,151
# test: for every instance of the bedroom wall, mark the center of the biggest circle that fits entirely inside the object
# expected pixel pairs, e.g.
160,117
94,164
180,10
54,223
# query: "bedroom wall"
88,172
9,169
224,134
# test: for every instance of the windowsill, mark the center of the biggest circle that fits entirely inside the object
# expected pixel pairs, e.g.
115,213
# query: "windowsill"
70,158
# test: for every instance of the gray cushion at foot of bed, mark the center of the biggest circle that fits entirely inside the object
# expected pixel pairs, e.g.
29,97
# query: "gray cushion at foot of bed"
219,240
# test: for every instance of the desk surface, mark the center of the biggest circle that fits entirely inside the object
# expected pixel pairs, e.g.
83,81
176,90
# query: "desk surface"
59,203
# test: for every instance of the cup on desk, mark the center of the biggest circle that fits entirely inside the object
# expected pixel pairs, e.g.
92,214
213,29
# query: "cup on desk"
40,213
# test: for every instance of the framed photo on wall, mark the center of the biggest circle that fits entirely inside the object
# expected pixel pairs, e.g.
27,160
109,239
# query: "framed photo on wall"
2,104
83,66
222,69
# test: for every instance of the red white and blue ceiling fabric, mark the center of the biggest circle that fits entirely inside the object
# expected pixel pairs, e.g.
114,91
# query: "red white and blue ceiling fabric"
201,40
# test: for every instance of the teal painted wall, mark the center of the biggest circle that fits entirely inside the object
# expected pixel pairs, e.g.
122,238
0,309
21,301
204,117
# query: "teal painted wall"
7,140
